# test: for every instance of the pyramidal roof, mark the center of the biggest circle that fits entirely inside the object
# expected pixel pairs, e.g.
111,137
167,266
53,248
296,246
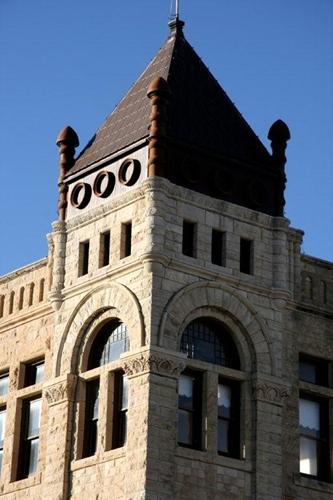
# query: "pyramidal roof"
199,114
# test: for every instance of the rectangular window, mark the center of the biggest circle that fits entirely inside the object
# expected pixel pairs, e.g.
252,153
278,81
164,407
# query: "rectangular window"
2,433
91,418
4,383
313,370
190,410
34,373
28,456
126,240
104,249
313,428
189,238
120,410
228,402
246,256
218,247
83,258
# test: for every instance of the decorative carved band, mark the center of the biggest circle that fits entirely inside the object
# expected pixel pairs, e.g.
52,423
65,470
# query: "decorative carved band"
61,391
270,393
155,364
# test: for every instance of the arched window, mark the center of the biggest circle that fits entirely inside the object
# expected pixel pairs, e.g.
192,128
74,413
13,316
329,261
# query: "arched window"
31,293
206,339
21,299
209,340
11,302
2,305
309,288
111,341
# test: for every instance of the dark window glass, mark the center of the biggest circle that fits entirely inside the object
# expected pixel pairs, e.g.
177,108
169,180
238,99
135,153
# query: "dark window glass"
228,418
4,383
111,341
208,340
218,250
28,458
313,370
91,418
126,239
120,410
2,433
104,257
246,256
189,409
83,258
34,373
189,237
314,445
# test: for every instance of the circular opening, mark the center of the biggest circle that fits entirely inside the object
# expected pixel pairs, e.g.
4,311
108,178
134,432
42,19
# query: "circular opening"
129,172
104,184
257,193
224,182
81,195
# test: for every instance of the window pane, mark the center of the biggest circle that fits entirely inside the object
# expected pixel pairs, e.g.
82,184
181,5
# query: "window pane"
34,418
223,436
33,456
309,417
4,383
39,377
1,456
124,403
224,401
308,463
307,372
185,427
185,392
2,426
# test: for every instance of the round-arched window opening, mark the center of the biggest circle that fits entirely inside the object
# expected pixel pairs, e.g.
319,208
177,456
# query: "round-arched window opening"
111,341
209,340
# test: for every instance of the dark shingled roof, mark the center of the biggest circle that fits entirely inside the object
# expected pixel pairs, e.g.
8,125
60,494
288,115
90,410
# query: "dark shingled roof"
200,113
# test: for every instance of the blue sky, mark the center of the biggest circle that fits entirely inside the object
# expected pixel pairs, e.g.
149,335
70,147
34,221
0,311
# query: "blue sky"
70,62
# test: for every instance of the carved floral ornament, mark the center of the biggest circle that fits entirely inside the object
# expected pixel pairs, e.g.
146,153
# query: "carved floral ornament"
154,364
270,393
61,391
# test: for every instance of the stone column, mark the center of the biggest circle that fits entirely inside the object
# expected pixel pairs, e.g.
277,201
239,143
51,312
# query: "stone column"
152,439
269,396
60,396
59,240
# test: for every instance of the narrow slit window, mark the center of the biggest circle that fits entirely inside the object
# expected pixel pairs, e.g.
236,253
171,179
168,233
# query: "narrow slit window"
2,433
189,238
11,302
28,456
41,289
104,249
21,300
91,418
246,256
218,247
126,239
83,258
2,305
120,410
31,293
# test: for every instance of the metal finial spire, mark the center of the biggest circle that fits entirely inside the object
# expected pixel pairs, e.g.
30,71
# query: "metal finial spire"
175,24
177,9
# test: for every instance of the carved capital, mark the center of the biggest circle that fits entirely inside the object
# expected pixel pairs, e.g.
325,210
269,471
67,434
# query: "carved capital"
270,393
154,364
61,391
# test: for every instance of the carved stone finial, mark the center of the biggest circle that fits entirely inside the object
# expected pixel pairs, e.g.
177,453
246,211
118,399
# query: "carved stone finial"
67,141
279,135
158,92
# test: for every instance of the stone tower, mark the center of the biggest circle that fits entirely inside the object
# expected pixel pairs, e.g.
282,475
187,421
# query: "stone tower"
175,344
